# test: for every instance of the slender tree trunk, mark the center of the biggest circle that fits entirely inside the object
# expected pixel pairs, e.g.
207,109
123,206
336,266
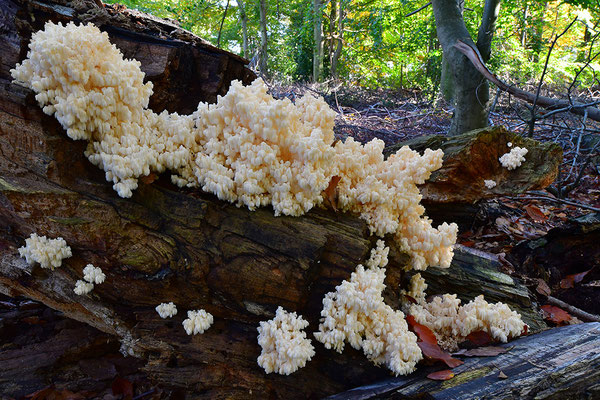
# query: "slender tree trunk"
468,89
331,36
221,26
244,23
318,37
523,38
335,59
537,43
263,39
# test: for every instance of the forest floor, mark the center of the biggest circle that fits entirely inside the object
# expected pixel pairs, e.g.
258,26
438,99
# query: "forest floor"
392,116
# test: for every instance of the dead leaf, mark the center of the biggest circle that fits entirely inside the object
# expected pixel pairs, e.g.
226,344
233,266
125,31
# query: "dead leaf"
331,191
52,393
569,281
410,299
555,314
479,338
502,375
434,352
424,333
487,351
535,213
441,375
123,387
525,330
148,179
468,243
542,287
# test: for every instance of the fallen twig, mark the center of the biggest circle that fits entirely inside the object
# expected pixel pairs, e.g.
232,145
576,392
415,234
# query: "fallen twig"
573,310
572,203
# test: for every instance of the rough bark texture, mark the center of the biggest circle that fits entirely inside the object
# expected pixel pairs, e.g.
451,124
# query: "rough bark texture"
557,364
471,158
167,244
39,346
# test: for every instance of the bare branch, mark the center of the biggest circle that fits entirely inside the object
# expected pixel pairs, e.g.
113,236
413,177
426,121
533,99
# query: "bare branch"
417,10
545,102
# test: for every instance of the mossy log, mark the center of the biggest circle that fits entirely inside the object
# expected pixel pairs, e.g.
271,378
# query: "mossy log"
559,363
451,192
168,244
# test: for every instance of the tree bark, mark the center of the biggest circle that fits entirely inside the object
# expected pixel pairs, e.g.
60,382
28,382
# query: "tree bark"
318,39
468,88
263,39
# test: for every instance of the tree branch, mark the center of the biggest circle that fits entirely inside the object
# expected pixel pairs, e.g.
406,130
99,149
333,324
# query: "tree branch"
545,102
417,10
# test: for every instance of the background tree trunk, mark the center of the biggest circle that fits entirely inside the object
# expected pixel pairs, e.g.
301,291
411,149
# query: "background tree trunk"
263,39
244,22
318,39
460,80
335,59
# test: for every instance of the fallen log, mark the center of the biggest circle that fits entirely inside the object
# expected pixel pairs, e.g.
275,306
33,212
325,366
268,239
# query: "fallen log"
168,244
556,364
451,192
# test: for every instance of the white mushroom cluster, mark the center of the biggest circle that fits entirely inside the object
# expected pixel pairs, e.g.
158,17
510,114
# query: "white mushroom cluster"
285,347
83,287
91,275
356,313
514,158
49,253
489,183
248,148
197,322
166,310
452,322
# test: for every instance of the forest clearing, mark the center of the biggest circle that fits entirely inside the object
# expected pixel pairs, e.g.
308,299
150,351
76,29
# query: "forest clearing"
313,199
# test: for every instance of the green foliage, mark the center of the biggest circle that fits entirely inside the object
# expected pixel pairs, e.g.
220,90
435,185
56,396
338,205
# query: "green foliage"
384,47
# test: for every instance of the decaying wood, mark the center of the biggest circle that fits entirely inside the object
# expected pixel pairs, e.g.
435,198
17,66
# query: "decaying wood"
473,55
168,244
566,250
39,347
472,157
557,364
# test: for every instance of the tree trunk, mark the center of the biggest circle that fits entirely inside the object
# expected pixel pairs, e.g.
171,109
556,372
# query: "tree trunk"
335,59
461,81
263,39
318,39
244,23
